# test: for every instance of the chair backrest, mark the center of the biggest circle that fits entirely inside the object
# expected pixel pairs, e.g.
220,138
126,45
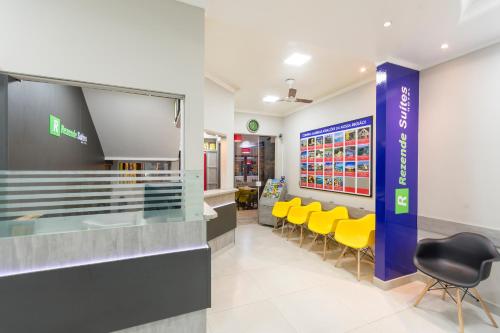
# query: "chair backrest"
363,228
339,213
471,249
322,217
295,202
314,206
244,195
368,221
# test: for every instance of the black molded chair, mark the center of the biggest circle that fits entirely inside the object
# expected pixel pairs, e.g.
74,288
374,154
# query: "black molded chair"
458,262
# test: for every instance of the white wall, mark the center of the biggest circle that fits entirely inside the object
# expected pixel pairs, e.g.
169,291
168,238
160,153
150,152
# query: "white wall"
354,104
158,46
269,126
124,121
459,142
459,155
219,119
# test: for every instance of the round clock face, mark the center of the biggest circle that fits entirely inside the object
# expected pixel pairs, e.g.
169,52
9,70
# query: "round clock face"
253,125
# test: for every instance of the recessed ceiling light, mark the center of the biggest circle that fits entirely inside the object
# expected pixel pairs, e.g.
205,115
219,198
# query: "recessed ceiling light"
270,99
444,46
297,59
387,24
362,69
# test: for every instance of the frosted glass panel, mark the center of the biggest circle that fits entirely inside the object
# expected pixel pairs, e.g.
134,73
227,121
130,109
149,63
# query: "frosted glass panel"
40,202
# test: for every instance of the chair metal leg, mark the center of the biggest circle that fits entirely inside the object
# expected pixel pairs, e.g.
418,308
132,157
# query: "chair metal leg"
485,307
313,242
459,307
341,256
282,227
422,294
359,263
301,235
324,247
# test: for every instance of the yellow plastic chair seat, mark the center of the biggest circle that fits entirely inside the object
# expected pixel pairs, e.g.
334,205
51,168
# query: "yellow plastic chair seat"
300,215
324,223
281,208
321,222
356,234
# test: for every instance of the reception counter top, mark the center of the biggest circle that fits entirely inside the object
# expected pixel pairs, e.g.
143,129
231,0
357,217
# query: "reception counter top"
220,197
219,192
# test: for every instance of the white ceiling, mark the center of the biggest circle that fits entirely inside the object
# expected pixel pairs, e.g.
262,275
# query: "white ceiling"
247,41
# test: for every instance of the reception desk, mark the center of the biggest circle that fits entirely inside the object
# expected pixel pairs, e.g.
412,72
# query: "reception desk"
221,228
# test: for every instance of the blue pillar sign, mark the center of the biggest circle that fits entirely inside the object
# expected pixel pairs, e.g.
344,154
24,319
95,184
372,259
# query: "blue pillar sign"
396,170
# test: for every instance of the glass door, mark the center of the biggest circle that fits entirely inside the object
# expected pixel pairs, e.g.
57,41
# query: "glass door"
254,161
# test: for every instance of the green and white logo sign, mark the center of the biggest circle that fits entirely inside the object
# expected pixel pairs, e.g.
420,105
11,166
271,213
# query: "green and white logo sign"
402,201
56,128
253,125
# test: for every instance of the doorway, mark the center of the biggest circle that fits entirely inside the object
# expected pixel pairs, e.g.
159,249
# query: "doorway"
254,164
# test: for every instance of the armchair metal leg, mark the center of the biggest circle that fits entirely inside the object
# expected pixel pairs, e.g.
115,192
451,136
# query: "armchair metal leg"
459,307
324,247
424,291
485,307
340,257
358,257
313,242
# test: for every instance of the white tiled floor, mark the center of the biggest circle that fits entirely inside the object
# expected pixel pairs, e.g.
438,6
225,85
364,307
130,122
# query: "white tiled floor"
268,284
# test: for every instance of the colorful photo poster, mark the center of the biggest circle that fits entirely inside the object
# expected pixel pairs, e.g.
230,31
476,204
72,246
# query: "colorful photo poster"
310,155
328,141
310,181
319,182
303,145
328,183
311,143
303,168
319,142
319,155
338,158
328,155
319,169
328,168
303,156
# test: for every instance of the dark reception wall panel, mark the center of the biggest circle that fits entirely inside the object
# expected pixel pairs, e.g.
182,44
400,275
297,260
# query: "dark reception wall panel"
106,297
31,147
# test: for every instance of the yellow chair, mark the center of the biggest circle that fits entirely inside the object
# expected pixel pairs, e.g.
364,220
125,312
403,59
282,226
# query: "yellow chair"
298,216
358,235
325,223
281,208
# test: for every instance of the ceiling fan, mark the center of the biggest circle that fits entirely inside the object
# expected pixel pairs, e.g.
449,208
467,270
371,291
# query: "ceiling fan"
292,93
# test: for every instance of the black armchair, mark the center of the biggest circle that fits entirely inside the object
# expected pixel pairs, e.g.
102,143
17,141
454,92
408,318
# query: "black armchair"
458,262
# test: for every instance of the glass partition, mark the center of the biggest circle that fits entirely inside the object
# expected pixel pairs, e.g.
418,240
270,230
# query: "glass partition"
42,202
120,149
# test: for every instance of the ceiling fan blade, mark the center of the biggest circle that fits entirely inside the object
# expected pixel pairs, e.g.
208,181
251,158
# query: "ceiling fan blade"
303,100
292,92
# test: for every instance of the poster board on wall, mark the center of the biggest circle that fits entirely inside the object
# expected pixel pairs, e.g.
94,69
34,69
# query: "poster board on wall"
338,158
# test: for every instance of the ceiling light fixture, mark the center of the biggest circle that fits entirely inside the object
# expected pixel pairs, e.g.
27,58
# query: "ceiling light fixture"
444,46
387,24
270,99
362,69
297,59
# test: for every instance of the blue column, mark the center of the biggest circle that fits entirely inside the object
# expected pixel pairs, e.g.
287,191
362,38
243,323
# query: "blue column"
396,170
